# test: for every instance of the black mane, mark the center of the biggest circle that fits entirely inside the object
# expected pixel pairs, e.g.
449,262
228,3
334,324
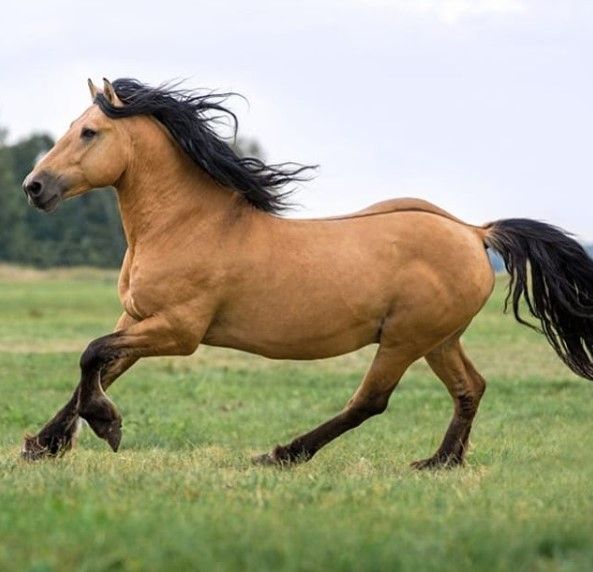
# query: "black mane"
189,118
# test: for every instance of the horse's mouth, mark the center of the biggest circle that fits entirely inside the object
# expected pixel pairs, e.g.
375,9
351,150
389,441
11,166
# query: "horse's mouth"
47,206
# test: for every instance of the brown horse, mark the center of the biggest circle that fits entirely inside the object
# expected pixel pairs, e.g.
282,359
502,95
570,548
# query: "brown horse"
209,263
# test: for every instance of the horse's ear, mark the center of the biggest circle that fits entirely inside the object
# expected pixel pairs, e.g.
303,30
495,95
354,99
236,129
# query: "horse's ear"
93,89
110,94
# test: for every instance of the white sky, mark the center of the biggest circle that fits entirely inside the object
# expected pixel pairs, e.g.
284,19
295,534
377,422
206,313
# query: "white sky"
483,106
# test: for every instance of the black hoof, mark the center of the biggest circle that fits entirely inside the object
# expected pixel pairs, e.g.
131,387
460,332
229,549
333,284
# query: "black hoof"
265,460
437,462
104,419
52,442
281,457
113,436
33,450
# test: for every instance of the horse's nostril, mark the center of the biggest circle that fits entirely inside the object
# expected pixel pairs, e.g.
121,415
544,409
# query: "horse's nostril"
34,188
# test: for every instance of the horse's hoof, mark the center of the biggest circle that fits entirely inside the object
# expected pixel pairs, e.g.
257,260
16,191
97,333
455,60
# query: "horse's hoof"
423,464
32,450
266,460
35,447
280,457
104,419
437,462
113,436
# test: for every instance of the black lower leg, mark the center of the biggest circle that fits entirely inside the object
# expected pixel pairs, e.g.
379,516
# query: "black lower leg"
453,447
304,447
93,405
57,435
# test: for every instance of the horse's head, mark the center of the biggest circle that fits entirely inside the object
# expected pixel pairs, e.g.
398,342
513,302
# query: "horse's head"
93,153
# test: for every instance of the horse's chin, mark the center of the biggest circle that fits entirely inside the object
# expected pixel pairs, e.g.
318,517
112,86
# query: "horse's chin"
48,206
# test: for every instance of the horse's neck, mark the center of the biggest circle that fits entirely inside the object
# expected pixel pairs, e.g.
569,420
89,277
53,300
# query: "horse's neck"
163,189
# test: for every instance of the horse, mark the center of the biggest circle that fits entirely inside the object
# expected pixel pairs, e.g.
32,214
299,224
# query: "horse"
210,261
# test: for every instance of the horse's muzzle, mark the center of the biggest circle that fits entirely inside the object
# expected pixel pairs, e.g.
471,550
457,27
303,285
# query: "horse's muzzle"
44,191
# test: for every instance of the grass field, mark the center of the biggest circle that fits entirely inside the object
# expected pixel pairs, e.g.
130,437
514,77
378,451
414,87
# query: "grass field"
181,493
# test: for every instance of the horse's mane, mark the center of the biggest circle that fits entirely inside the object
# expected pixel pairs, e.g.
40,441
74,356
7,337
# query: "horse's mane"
190,118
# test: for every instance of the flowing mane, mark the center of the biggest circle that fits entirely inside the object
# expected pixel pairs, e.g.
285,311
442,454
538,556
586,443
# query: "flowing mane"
190,118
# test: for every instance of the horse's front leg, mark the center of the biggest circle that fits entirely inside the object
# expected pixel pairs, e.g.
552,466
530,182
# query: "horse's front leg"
104,360
59,433
151,337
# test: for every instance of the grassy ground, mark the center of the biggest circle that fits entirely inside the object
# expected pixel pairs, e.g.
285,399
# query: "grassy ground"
181,493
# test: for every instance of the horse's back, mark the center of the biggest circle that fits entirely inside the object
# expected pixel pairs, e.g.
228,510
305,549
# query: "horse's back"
397,205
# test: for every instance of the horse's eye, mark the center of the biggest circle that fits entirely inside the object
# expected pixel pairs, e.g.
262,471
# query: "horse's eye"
87,133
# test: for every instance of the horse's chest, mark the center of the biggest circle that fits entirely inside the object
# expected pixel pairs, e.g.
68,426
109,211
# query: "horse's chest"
131,307
134,296
152,290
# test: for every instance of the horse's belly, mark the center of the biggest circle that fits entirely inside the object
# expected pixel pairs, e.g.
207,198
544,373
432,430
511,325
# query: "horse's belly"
306,334
283,348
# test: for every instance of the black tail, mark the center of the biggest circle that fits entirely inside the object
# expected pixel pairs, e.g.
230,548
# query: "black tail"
553,273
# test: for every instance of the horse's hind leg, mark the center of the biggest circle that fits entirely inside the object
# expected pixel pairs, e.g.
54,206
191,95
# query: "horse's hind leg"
466,387
370,399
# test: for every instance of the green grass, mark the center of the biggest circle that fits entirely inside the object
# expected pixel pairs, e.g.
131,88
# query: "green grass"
181,493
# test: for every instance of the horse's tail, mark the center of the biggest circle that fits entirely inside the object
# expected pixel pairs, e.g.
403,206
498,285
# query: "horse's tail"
554,275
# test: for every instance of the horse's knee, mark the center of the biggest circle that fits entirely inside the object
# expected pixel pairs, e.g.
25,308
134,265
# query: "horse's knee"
89,356
96,354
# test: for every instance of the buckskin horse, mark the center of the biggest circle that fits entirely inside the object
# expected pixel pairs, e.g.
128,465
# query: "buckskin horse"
210,262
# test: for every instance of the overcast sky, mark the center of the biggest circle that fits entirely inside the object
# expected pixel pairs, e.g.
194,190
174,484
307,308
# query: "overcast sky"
483,106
